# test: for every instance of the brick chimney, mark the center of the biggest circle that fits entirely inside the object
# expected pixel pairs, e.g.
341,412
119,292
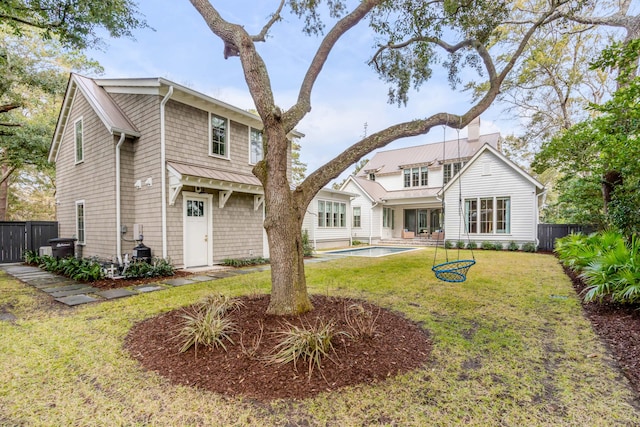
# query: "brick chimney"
473,130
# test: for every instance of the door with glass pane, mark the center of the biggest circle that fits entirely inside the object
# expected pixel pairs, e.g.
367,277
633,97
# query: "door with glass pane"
196,232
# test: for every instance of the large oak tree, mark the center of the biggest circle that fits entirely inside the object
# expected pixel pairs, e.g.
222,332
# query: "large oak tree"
412,37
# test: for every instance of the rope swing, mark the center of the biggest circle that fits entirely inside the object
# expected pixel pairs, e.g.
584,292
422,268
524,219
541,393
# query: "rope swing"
454,271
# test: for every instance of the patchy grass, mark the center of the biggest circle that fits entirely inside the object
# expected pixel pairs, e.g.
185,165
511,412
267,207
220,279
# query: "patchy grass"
511,347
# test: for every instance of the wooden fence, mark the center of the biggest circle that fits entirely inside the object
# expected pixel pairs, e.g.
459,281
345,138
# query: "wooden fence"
548,233
16,237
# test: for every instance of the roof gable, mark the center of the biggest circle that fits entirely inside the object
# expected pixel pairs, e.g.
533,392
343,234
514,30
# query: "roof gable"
116,122
500,157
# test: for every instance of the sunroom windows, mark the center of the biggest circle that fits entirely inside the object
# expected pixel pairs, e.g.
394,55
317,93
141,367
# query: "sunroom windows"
332,214
488,215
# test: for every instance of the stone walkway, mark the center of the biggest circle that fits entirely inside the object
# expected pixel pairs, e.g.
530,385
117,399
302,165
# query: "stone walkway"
72,293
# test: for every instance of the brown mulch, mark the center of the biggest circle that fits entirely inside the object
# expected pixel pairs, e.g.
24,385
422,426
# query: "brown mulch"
105,284
618,325
398,345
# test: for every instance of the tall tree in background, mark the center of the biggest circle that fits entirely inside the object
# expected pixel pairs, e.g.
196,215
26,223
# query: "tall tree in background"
39,42
412,35
34,76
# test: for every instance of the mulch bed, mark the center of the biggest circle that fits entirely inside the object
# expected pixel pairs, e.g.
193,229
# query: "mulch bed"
105,284
399,345
618,325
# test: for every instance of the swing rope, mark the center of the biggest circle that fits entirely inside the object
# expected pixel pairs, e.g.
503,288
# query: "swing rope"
456,270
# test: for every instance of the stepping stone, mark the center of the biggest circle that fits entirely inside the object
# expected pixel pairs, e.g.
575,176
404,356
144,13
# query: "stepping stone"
76,300
64,287
221,274
198,278
180,282
80,291
115,293
7,317
55,284
148,288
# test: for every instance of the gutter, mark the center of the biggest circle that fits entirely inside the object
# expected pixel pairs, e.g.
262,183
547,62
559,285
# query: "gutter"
118,203
371,222
163,171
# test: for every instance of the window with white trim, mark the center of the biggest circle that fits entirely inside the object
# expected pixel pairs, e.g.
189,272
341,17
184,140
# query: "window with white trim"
79,140
357,217
80,225
488,215
416,177
219,136
255,142
388,218
332,214
450,169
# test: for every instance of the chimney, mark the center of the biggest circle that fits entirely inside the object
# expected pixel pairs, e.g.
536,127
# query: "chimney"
473,130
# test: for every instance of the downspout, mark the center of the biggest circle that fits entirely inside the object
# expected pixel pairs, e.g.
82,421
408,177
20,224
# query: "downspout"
118,205
371,222
163,171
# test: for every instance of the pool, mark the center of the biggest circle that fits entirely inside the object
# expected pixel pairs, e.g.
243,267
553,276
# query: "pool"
371,251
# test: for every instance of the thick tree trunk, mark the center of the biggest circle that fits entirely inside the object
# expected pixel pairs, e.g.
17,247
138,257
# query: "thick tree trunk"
283,224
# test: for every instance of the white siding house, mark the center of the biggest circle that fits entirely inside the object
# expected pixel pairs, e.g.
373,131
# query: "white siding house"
492,199
401,193
329,219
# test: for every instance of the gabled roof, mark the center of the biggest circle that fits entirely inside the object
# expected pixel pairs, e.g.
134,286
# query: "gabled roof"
116,122
97,92
374,191
500,156
392,161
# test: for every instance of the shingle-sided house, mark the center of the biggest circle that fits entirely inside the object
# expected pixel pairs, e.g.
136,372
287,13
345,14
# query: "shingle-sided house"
149,156
401,193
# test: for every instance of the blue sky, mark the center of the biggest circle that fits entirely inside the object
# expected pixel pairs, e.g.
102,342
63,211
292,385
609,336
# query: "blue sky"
347,95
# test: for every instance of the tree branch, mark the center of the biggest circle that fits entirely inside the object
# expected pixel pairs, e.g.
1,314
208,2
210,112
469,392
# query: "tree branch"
318,179
303,104
260,37
8,107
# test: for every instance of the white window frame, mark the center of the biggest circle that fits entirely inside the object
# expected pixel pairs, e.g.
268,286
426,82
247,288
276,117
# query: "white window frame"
357,217
251,130
82,239
75,140
494,215
332,214
227,133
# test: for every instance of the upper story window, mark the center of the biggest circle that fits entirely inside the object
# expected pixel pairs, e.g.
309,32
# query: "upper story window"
79,140
450,169
255,146
416,177
372,177
219,136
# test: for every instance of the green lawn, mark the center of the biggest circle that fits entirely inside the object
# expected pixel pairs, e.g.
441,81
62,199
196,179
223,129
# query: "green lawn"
511,348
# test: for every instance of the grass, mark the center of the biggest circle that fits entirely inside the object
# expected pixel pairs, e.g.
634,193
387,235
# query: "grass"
507,351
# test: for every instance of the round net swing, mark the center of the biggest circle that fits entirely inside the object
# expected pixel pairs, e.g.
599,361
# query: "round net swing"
454,271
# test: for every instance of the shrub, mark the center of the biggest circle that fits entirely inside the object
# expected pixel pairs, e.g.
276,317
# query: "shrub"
513,246
85,270
448,244
487,245
157,268
497,246
361,320
356,243
472,245
311,344
219,304
205,327
529,247
244,262
31,257
307,247
460,244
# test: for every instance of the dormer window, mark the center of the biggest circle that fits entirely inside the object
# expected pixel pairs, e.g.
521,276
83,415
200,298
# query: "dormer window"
372,177
416,177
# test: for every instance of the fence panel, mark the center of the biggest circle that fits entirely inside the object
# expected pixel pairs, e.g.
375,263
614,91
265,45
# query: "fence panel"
16,237
548,233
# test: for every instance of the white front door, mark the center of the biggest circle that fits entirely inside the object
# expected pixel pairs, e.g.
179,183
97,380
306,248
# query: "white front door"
196,231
